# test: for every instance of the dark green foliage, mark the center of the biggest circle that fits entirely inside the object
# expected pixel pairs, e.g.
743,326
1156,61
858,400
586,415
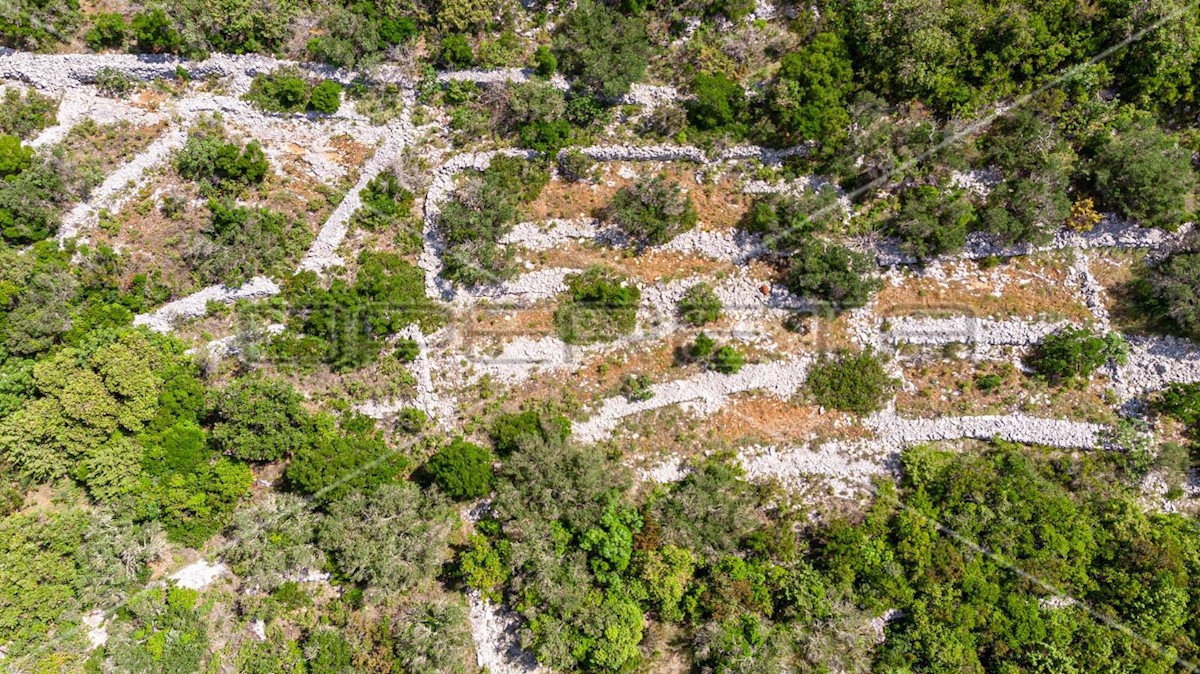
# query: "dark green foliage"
702,347
30,201
326,97
728,360
37,25
346,325
851,382
930,223
258,419
545,137
831,274
280,91
1077,352
1173,289
482,212
245,242
637,388
462,470
600,307
25,115
160,630
411,420
1141,171
334,464
155,33
221,167
108,31
699,305
1181,401
807,101
544,63
389,540
719,102
988,382
326,650
652,211
384,204
14,157
514,432
602,50
407,350
456,52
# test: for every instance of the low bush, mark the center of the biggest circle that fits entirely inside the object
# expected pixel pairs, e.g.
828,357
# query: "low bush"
1071,353
652,211
326,97
514,432
544,62
108,31
219,166
699,305
280,91
636,388
25,115
407,350
600,307
728,360
411,421
851,382
930,223
384,203
155,33
456,52
831,274
14,157
1181,401
719,102
462,470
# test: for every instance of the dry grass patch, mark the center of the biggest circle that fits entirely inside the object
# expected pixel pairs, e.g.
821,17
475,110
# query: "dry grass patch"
1033,287
953,387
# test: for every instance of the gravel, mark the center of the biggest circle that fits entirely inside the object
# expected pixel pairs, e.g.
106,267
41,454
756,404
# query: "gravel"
967,330
497,646
900,432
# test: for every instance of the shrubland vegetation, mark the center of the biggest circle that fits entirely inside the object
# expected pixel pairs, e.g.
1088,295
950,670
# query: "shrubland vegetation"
600,306
651,211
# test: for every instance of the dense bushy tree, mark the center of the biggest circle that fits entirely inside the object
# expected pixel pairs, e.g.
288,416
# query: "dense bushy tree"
851,382
1077,352
14,157
108,31
831,274
719,102
652,211
931,223
807,101
391,539
461,469
513,432
155,32
259,419
221,167
337,463
1140,171
602,50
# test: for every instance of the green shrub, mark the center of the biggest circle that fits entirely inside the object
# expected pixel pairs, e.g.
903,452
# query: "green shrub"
601,50
462,470
699,305
221,168
544,62
600,307
851,382
259,419
1077,352
988,382
384,204
719,102
14,157
411,421
808,98
652,211
702,347
514,432
728,360
575,166
280,91
108,31
113,83
545,137
155,33
930,223
456,52
37,25
831,274
326,97
407,350
25,115
1181,401
637,388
